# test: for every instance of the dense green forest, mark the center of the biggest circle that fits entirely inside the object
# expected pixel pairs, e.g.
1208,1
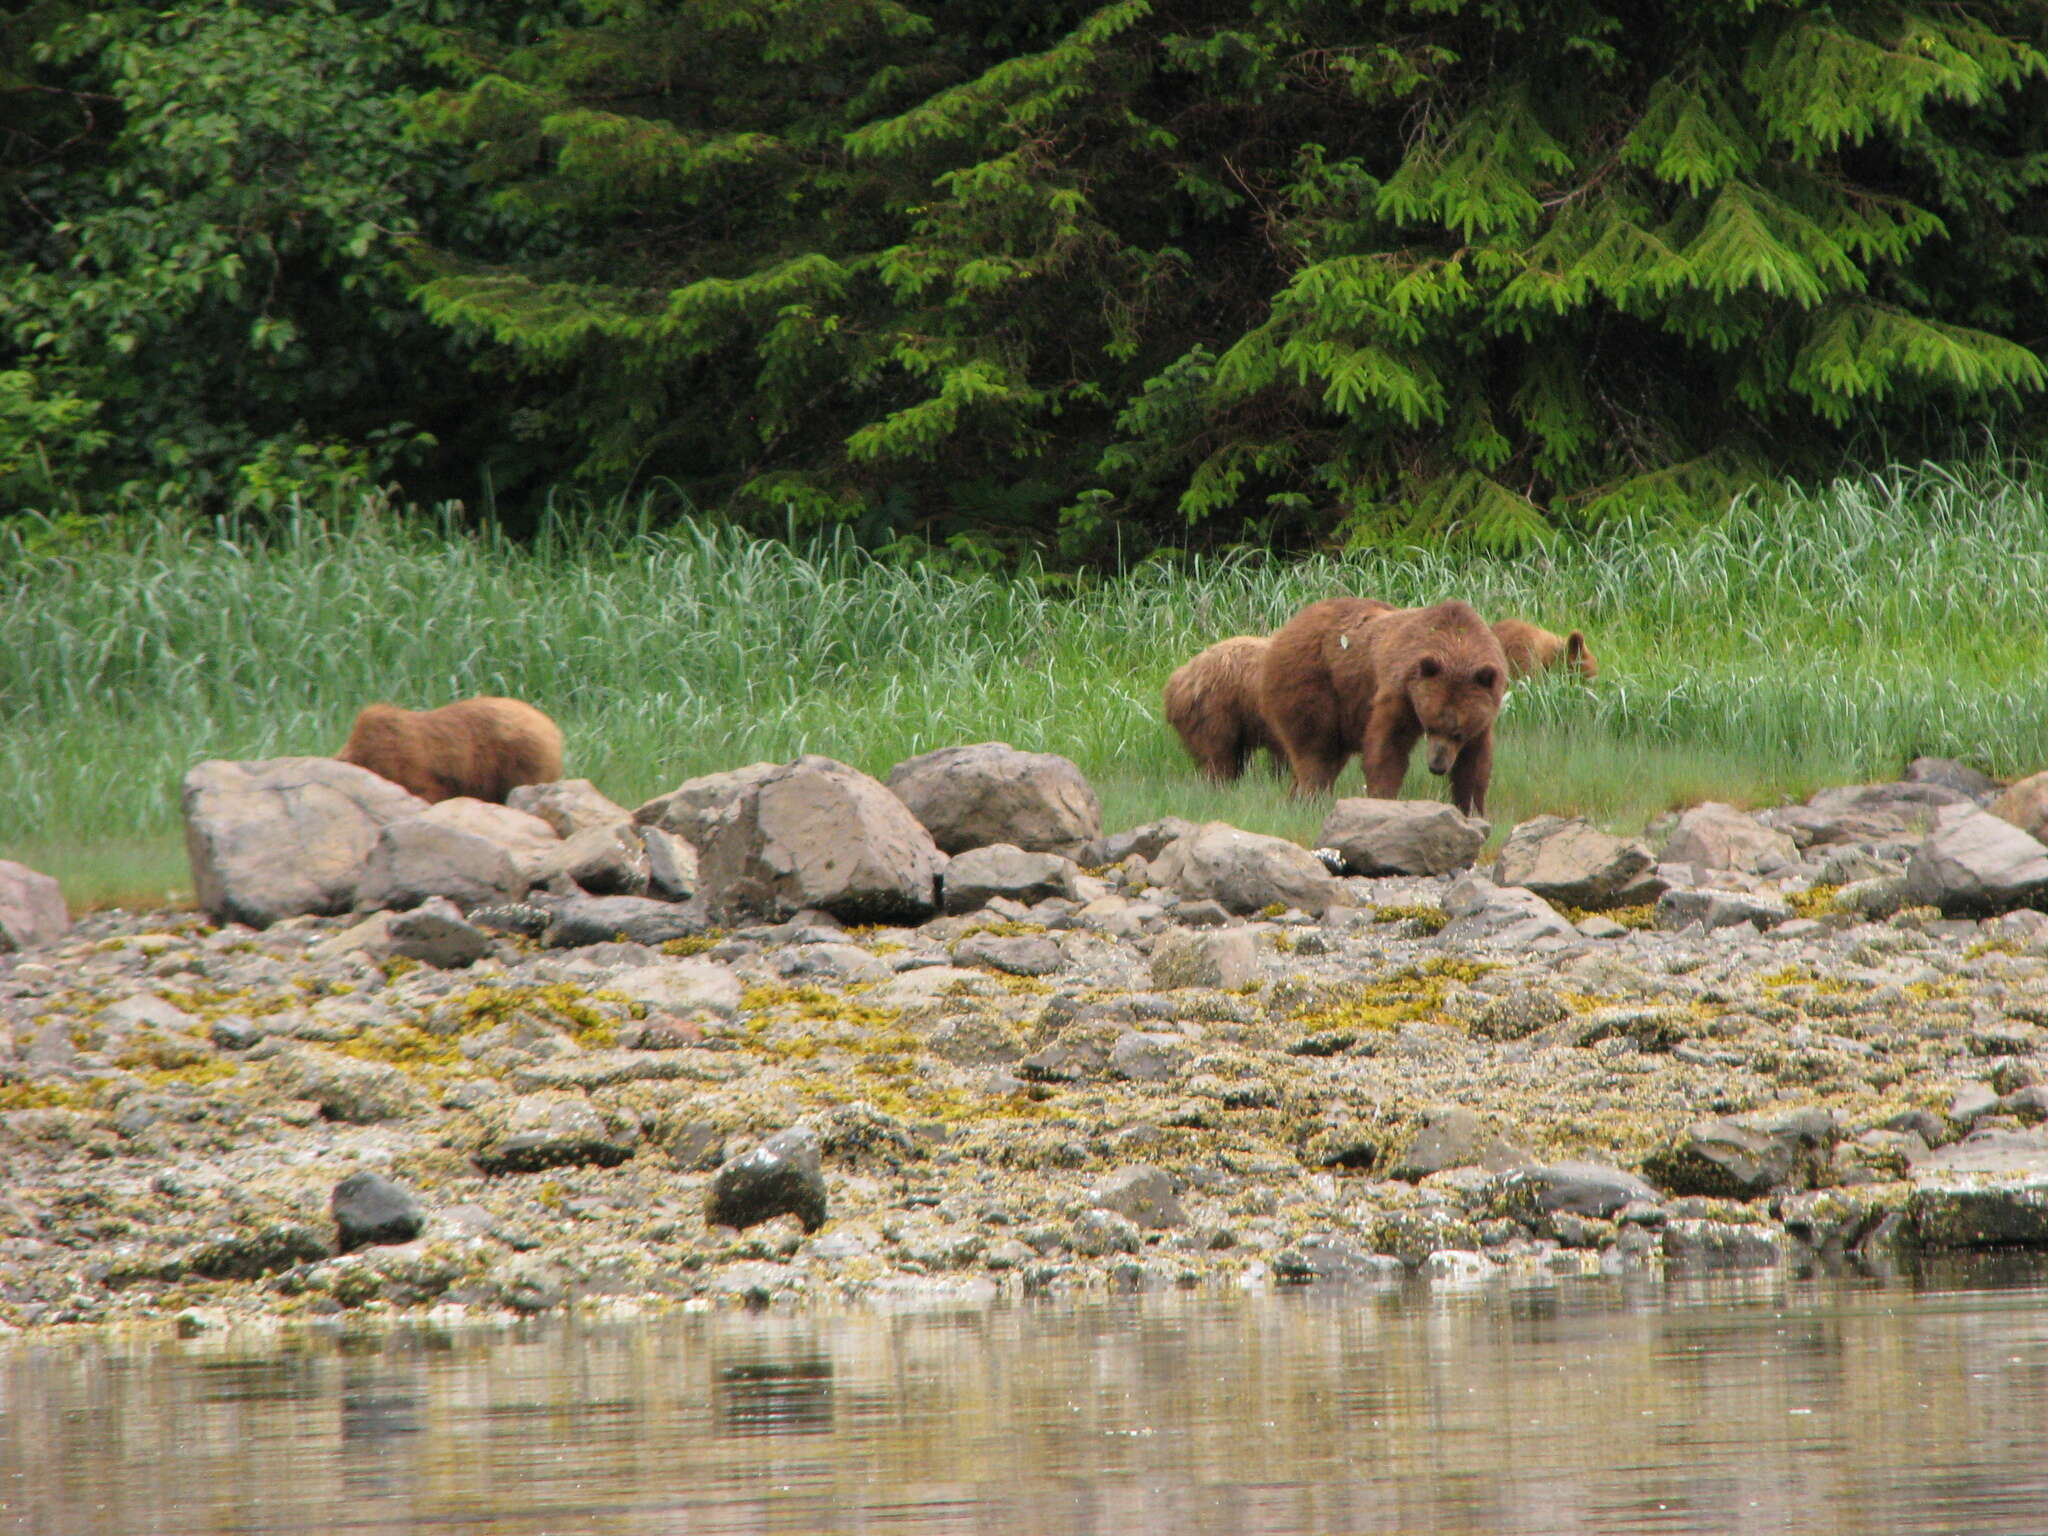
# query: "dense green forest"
1087,278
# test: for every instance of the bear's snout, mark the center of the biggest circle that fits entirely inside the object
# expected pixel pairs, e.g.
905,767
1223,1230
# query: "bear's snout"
1441,755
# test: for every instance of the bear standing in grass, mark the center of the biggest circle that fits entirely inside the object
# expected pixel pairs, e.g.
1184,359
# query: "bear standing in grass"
1297,695
484,748
1394,678
1212,702
1533,649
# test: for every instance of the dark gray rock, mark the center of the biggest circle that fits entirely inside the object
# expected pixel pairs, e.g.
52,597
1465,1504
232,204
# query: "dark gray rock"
1718,909
1025,955
1324,1259
1454,1137
1098,1232
1582,1188
370,1209
1989,1190
975,796
780,1177
553,1130
1693,1245
252,1252
1744,1156
605,861
580,920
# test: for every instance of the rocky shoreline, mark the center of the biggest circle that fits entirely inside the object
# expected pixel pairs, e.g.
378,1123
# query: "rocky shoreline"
1814,1037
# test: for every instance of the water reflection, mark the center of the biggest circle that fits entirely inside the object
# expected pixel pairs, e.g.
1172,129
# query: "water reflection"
1771,1406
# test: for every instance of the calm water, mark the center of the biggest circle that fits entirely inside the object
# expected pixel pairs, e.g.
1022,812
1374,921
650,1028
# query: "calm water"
1582,1407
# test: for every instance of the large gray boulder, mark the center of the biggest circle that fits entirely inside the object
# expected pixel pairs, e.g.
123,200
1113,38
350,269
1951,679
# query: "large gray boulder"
1975,863
697,807
1862,813
285,836
970,797
1245,871
534,847
818,834
978,876
32,909
421,857
1989,1190
1401,837
1743,1156
1717,836
1507,916
568,805
1574,862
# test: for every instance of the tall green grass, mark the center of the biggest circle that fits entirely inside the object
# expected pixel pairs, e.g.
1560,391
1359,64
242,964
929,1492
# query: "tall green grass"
1800,639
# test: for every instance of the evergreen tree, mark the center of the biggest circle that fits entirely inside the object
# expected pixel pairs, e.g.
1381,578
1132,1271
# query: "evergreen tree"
1442,266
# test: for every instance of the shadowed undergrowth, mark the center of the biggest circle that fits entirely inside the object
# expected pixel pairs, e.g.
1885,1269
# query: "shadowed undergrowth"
1800,640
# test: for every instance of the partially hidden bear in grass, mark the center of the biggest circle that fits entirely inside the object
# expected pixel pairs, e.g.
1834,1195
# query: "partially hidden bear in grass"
1530,649
484,748
1375,680
1212,703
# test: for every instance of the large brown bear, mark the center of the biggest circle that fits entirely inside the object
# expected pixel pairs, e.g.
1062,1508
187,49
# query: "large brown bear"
484,748
1393,678
1531,649
1212,702
1296,696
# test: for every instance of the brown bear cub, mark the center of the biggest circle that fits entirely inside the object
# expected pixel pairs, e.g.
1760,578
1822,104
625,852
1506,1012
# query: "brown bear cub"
1530,649
1394,678
484,748
1296,695
1212,703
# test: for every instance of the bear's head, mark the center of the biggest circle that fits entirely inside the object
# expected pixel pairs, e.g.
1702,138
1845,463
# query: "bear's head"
1454,703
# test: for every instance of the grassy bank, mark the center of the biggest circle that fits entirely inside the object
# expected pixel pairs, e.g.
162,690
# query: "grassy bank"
1797,641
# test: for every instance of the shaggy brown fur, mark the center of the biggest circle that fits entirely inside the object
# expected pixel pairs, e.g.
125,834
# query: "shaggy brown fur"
1436,674
1296,696
1212,702
484,748
1530,649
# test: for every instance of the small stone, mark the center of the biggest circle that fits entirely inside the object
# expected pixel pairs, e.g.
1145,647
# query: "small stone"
32,909
1225,958
1402,837
1030,955
1141,1193
370,1209
1097,1232
1149,1058
584,920
779,1177
1712,909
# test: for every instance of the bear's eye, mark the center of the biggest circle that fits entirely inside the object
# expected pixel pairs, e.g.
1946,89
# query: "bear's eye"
1485,677
1429,666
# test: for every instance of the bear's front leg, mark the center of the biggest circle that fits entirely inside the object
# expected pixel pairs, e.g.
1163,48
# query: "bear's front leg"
1471,774
1391,731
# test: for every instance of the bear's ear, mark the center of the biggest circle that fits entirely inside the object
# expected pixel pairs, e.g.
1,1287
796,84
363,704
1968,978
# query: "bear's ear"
1575,646
1429,666
1486,677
